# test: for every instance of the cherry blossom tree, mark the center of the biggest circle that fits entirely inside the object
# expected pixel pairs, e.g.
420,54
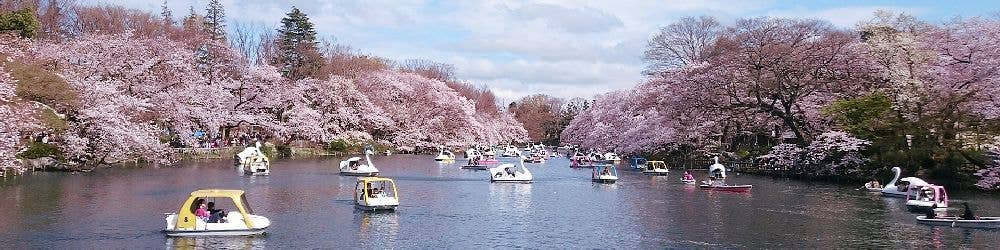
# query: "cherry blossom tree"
17,118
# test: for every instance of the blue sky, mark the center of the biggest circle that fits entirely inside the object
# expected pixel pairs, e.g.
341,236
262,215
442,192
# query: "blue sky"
565,48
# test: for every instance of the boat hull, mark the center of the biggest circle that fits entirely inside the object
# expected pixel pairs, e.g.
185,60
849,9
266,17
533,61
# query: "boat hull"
376,208
229,232
688,181
982,222
359,173
510,181
654,173
608,181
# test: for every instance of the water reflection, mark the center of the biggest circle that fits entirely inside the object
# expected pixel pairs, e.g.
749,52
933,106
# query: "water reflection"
257,242
377,229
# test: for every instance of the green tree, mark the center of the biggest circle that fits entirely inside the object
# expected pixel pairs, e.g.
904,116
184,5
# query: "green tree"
215,21
297,56
23,21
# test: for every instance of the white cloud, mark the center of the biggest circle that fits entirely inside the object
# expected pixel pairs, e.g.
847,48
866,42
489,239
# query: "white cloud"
566,48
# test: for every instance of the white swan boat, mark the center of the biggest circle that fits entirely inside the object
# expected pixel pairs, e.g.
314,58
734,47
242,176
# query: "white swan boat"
899,187
353,166
507,172
252,161
655,168
376,193
605,174
445,155
717,170
238,222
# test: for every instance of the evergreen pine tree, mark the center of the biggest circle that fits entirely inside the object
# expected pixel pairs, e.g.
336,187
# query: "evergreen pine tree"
166,14
215,21
297,53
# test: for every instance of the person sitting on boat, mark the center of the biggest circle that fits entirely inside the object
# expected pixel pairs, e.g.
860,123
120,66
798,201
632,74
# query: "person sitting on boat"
688,176
968,215
930,214
874,184
510,171
607,171
371,191
926,194
354,165
202,211
215,215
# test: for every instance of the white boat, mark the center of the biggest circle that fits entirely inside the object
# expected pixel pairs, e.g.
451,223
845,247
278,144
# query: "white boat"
445,155
471,153
369,150
655,168
376,193
899,187
717,170
950,221
353,166
489,152
507,172
605,174
510,151
238,222
612,157
252,161
922,198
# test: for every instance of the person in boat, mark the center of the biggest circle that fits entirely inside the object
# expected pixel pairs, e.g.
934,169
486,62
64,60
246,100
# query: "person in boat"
926,194
607,171
202,211
215,215
874,184
930,214
510,171
688,176
968,215
354,165
371,191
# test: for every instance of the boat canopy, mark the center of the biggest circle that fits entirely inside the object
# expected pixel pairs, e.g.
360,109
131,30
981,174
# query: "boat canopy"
187,218
914,181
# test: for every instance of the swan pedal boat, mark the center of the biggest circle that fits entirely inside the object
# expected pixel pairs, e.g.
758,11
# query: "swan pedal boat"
445,155
729,188
241,222
952,221
358,169
251,161
521,174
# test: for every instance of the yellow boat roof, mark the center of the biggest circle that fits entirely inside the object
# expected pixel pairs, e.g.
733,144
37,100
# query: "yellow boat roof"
217,193
373,179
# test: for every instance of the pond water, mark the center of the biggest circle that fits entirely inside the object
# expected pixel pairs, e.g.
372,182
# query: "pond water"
443,206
